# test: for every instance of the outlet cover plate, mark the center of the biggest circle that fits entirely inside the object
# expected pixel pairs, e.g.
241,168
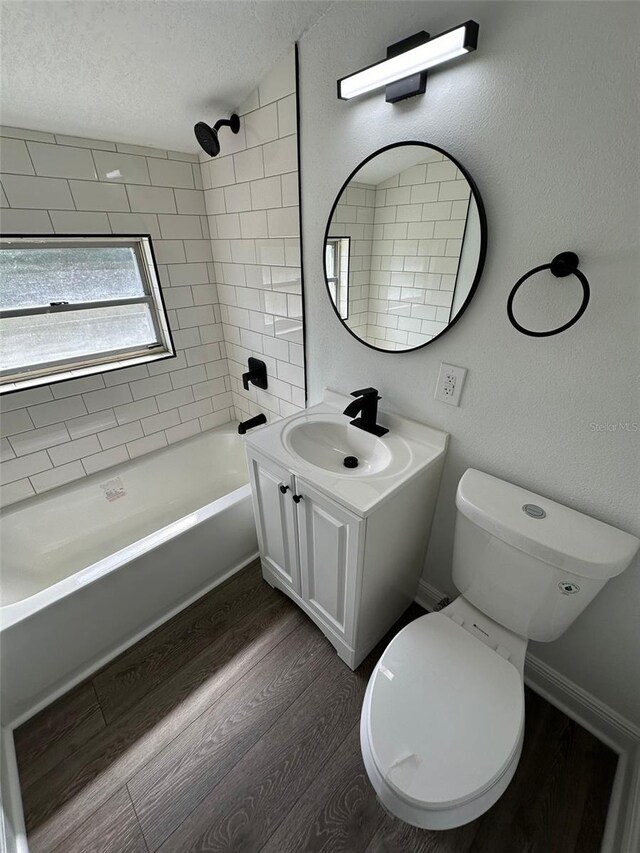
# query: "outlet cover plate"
450,383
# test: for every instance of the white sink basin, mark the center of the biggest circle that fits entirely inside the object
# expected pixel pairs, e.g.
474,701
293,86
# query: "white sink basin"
326,444
312,445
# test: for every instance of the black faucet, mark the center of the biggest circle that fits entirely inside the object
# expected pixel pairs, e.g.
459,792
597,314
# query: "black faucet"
257,374
367,406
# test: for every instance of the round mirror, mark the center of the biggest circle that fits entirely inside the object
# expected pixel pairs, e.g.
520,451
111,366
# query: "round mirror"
404,246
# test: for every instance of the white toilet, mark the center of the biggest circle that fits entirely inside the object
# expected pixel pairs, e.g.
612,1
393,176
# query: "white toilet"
443,717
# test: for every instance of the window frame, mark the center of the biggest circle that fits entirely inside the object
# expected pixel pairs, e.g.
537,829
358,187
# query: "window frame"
64,369
341,249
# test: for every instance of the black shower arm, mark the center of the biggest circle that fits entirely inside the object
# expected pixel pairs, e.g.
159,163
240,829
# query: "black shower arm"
223,122
233,122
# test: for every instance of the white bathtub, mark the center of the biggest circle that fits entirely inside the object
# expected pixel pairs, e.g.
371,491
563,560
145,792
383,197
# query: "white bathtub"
89,568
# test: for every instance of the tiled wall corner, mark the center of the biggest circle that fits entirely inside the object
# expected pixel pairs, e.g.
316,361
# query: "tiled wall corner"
54,184
353,217
251,196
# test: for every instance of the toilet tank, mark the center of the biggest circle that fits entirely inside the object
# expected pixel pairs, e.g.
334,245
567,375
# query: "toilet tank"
529,563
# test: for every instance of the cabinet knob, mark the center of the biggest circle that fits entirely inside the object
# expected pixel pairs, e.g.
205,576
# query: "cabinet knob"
284,489
297,498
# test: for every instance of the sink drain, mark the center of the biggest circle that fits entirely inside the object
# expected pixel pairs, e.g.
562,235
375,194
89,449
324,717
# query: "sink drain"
350,462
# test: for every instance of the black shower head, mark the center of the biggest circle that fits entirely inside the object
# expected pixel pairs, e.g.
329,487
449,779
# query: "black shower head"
208,136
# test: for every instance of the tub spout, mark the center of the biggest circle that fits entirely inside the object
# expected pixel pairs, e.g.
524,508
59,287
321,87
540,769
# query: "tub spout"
243,426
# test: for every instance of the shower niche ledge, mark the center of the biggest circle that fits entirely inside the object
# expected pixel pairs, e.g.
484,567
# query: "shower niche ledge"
346,542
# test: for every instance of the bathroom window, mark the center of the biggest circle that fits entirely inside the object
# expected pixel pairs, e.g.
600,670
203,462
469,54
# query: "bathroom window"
70,307
337,267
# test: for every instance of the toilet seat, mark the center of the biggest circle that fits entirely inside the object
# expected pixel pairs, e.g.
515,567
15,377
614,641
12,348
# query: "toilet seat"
442,723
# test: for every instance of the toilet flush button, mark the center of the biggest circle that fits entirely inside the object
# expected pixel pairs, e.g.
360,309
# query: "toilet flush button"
534,511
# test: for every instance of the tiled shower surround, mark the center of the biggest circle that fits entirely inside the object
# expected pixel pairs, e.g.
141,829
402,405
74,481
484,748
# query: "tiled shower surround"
251,197
353,218
406,284
241,299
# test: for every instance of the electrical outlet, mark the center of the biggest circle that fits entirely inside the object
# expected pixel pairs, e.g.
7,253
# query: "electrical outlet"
450,383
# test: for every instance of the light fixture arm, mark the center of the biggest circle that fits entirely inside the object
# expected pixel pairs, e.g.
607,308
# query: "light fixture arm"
416,84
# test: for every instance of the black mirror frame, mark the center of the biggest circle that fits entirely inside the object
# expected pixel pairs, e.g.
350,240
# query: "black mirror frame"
483,241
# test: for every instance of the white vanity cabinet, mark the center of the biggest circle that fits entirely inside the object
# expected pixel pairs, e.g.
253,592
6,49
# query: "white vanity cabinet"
353,575
329,546
310,547
272,487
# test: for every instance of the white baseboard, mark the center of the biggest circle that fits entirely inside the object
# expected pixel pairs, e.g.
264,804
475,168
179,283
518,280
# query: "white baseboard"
622,830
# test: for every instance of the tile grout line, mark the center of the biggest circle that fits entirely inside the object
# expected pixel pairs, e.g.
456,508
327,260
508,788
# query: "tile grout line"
33,165
93,160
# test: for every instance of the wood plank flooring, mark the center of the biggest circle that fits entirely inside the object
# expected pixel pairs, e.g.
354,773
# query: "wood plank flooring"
234,727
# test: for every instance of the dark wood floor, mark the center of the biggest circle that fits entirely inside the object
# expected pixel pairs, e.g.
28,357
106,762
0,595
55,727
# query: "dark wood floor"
234,727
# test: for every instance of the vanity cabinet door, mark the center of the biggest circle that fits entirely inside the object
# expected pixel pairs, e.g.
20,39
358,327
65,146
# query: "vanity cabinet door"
274,511
330,554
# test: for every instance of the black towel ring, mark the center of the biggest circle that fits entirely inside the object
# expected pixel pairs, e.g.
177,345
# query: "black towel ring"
564,264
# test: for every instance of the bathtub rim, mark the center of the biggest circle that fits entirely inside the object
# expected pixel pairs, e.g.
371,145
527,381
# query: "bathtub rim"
230,428
17,611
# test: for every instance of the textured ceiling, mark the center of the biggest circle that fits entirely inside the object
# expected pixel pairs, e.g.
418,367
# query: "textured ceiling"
140,71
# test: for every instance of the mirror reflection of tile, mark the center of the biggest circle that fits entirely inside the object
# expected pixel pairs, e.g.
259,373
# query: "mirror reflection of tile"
406,237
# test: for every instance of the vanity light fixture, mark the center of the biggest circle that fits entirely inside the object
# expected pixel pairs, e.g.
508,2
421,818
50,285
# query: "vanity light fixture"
404,71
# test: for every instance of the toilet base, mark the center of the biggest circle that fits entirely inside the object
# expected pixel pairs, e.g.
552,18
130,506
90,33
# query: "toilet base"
421,816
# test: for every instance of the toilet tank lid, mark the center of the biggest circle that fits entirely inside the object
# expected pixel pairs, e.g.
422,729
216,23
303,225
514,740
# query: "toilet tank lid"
564,538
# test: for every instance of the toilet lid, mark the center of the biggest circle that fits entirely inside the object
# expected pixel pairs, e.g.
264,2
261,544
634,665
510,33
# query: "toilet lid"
445,715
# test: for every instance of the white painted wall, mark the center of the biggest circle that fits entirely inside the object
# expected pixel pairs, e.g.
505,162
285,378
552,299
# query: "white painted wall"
544,115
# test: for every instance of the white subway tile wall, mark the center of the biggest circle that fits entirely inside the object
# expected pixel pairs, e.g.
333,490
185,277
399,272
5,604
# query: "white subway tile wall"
405,250
419,223
55,184
89,424
251,197
353,217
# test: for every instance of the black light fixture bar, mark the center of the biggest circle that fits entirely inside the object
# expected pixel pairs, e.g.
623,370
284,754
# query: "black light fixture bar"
403,72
